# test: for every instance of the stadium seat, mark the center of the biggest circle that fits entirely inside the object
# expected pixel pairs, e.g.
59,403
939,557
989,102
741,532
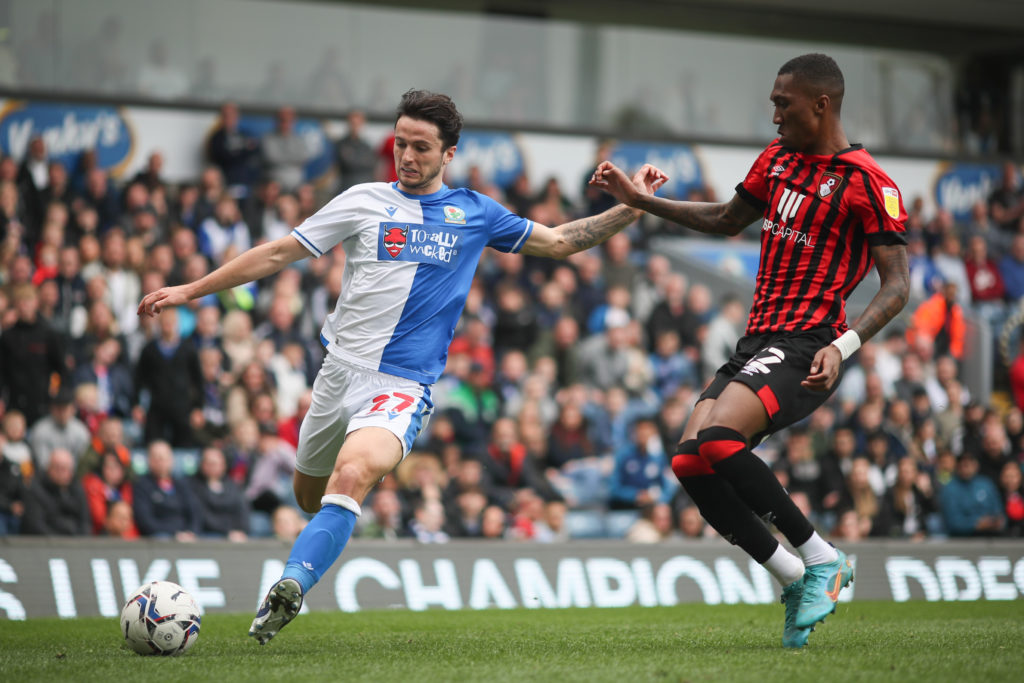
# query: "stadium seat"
617,522
585,524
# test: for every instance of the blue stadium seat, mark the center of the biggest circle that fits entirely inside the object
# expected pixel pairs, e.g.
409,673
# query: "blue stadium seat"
617,522
186,461
585,524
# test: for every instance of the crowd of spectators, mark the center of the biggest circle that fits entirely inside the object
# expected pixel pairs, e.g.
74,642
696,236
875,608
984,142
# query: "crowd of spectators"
566,390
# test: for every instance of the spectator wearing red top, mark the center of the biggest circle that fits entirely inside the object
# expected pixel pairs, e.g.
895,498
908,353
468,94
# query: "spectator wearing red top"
386,157
474,340
510,466
987,287
105,486
288,428
983,273
1017,376
1011,488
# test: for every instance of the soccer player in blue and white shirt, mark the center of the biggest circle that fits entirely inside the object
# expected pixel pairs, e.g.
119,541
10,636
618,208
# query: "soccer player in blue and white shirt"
411,249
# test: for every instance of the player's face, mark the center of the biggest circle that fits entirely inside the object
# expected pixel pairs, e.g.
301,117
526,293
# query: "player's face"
419,156
796,114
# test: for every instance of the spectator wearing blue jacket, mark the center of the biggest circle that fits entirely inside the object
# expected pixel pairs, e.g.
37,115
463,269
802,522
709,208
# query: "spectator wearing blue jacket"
971,505
1011,267
641,470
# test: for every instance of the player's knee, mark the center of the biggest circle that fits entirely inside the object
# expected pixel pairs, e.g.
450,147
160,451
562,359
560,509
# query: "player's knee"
716,444
353,475
687,462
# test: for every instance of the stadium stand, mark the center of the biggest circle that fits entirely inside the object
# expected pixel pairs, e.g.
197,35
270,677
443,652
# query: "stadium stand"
79,245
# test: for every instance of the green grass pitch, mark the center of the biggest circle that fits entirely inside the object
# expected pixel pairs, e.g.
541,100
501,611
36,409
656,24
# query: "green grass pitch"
863,641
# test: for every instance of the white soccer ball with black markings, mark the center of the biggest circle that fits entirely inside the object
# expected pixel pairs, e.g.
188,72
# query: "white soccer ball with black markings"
160,618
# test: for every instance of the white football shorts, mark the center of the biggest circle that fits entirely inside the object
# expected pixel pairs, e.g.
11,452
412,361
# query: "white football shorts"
347,398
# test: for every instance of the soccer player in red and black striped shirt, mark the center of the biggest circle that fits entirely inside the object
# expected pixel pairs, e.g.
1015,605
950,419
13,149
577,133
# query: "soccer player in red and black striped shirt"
827,212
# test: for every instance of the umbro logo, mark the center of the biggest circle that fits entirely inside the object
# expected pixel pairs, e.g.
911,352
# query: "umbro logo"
307,565
390,211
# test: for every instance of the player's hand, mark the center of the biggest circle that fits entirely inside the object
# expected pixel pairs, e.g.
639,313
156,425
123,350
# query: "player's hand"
824,369
615,182
154,302
648,179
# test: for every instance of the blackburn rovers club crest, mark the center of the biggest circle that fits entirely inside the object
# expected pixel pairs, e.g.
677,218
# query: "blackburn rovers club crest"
453,214
892,201
394,240
830,182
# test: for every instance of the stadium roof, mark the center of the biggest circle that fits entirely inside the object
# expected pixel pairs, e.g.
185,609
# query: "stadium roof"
949,27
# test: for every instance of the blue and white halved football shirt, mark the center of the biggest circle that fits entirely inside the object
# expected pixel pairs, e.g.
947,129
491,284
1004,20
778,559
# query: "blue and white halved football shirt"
410,260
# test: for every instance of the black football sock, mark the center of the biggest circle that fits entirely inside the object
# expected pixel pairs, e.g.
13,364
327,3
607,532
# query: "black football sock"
753,481
719,504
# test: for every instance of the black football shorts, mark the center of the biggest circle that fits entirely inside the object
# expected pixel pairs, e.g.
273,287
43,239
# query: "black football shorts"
773,365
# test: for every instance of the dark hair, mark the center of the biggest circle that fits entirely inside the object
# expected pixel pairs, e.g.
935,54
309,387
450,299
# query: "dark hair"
819,72
434,108
108,455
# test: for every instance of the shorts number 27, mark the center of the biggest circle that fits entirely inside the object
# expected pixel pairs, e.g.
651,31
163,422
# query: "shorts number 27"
402,401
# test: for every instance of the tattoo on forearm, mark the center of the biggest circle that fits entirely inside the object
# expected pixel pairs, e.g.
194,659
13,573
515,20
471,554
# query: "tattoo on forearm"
892,296
588,232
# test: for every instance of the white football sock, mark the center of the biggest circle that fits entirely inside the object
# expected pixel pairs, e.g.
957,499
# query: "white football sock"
784,566
817,551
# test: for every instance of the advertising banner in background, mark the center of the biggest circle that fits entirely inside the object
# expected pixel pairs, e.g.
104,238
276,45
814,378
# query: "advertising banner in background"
93,577
124,138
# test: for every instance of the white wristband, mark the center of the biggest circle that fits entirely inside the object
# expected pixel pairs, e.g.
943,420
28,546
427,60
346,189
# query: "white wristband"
847,343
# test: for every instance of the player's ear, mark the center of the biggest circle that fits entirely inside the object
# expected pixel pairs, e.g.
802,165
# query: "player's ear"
448,155
822,104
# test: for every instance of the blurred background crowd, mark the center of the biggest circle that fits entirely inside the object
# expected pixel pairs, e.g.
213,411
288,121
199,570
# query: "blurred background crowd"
566,390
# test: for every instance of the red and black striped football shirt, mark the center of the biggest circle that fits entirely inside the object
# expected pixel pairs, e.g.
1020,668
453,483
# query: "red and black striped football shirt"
821,216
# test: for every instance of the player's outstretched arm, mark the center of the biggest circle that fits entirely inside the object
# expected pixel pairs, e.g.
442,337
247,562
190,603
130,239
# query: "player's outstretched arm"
728,218
258,262
891,262
579,235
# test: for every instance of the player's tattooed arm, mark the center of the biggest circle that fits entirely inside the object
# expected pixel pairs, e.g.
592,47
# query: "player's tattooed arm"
891,262
727,218
587,232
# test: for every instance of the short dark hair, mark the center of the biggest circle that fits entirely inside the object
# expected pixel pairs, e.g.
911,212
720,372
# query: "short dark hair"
818,71
435,108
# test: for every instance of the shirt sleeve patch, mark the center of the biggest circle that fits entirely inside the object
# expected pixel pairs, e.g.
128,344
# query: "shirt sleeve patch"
892,201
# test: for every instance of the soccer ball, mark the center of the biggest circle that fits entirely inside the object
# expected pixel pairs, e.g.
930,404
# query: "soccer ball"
160,618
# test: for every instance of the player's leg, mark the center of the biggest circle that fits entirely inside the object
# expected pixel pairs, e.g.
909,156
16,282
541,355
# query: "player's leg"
723,444
765,397
735,521
309,490
725,452
714,496
367,455
724,510
359,427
